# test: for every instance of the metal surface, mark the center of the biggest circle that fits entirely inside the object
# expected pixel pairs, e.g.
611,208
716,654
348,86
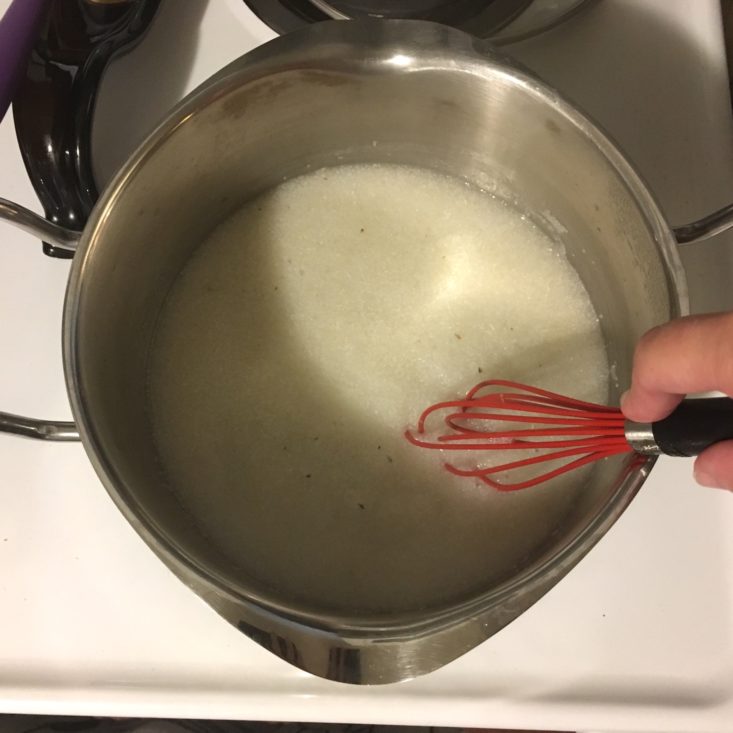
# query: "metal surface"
539,17
30,222
42,429
715,223
640,437
482,19
504,21
473,14
402,91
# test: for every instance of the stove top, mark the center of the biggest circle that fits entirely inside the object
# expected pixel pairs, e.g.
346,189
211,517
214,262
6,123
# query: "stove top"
637,638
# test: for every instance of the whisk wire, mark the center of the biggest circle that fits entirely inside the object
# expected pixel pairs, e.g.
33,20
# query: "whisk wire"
564,427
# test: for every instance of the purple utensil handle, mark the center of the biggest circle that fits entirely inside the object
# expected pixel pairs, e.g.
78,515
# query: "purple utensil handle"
18,31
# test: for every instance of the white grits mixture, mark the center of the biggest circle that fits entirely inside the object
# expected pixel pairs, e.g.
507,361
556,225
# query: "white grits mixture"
310,330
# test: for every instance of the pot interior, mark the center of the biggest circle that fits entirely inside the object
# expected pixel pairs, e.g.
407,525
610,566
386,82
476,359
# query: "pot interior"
271,120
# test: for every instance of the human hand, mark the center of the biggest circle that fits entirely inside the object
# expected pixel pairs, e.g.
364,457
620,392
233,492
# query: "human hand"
692,354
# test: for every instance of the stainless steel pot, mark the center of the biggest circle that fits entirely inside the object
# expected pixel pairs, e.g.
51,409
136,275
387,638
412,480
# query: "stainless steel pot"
428,96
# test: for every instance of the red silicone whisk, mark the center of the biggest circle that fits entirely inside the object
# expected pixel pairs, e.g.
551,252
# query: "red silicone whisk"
559,429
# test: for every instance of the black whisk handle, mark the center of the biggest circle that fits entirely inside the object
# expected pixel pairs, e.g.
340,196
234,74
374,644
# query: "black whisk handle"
694,426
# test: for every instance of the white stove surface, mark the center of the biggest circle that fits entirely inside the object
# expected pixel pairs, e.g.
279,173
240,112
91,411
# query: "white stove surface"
639,637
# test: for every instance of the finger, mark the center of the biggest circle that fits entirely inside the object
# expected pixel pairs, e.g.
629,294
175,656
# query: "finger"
645,405
693,354
714,467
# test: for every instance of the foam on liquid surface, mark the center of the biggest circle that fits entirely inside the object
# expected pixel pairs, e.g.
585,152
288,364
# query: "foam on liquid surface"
303,337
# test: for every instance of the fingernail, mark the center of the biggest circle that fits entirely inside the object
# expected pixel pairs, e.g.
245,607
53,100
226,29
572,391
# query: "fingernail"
706,479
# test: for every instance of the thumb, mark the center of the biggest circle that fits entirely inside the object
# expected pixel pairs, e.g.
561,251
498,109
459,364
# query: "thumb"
714,467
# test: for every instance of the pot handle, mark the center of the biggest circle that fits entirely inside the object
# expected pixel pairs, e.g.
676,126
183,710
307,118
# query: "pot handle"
57,430
715,223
